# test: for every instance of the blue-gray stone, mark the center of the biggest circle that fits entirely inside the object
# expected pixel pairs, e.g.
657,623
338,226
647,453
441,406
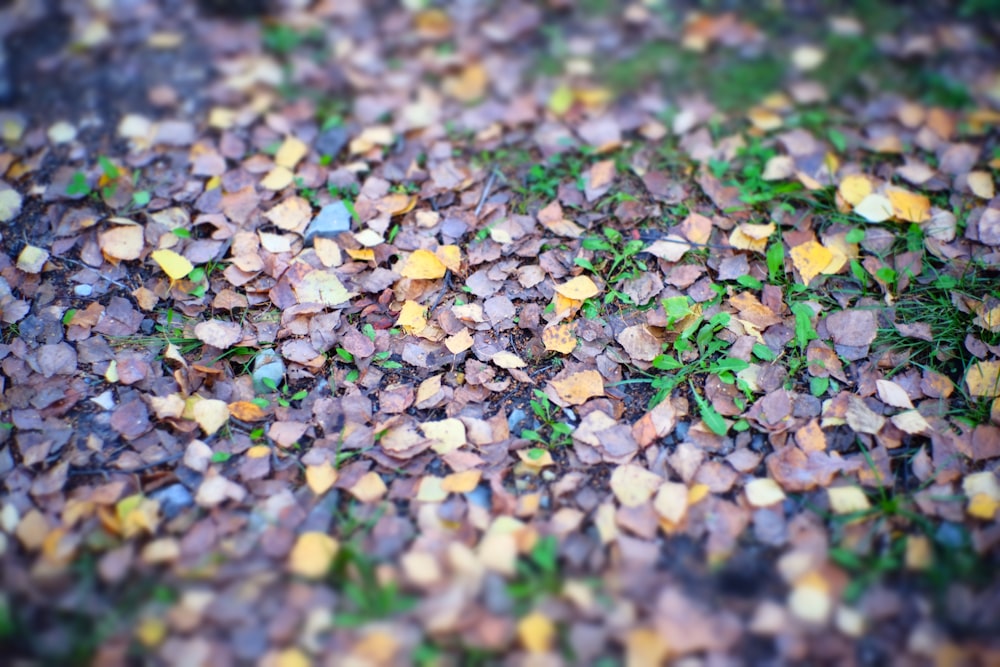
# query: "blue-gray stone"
332,219
173,499
267,366
332,141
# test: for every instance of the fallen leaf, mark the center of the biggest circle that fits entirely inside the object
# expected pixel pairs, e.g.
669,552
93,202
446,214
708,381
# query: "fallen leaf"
423,265
536,632
763,492
210,414
32,259
218,333
508,360
847,499
981,184
874,208
892,394
811,259
577,388
633,485
124,242
983,378
909,206
321,478
176,266
411,317
579,288
559,337
312,555
291,152
854,188
369,488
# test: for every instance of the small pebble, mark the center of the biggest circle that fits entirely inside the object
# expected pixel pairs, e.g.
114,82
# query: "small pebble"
83,290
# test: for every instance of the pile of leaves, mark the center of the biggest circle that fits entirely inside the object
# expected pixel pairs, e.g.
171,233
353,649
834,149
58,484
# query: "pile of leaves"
511,333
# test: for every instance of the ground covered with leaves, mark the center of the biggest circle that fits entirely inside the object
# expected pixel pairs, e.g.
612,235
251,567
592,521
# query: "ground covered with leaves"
557,333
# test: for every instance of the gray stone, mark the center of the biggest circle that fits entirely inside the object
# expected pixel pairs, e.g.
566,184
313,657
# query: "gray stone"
267,366
173,499
332,219
83,290
332,141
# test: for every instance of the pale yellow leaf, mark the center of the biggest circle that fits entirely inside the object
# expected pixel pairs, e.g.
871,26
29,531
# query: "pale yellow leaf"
210,414
847,499
122,243
411,317
633,485
312,554
763,492
559,337
579,288
983,378
536,632
508,360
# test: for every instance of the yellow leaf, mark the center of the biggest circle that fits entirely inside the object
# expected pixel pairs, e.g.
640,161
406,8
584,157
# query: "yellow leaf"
854,188
292,150
983,378
536,632
258,452
312,554
559,338
847,499
909,206
470,84
151,631
176,266
748,236
369,488
763,492
423,265
671,501
561,100
411,317
447,434
462,482
291,657
579,288
278,178
981,184
811,259
578,387
321,478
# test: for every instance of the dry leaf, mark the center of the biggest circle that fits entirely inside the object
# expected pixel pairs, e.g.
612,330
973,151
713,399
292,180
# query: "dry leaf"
811,259
536,632
312,555
763,492
847,499
577,388
559,337
423,265
508,360
174,265
122,243
218,333
579,288
983,378
633,485
321,478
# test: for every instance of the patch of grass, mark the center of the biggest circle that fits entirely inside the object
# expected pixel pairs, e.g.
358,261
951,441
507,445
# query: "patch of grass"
551,432
615,260
537,575
879,550
941,299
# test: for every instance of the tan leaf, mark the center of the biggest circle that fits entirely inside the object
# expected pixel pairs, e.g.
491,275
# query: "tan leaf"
874,208
369,488
892,394
210,414
219,333
909,206
633,485
122,243
981,184
291,152
536,632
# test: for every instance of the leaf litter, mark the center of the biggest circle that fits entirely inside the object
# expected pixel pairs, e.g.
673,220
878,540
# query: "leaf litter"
621,340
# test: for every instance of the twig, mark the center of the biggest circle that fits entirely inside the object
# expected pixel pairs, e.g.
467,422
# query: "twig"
486,192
